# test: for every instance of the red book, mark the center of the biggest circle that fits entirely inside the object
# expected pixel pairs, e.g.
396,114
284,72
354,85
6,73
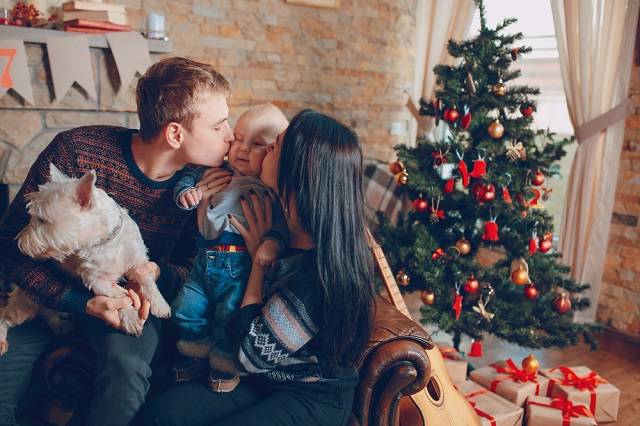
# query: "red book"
83,23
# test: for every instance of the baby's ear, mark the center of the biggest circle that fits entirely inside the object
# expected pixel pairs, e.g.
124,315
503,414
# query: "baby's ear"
84,189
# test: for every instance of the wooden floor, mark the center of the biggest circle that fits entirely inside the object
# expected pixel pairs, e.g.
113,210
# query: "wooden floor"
617,360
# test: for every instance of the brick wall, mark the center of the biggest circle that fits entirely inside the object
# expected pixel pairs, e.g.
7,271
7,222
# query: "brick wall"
619,304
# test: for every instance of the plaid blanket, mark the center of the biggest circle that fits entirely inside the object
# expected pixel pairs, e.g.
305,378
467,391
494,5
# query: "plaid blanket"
382,193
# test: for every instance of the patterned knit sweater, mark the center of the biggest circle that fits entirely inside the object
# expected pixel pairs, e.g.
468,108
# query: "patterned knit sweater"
280,338
168,232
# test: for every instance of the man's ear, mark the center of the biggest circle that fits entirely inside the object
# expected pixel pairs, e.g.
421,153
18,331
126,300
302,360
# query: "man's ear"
174,135
84,189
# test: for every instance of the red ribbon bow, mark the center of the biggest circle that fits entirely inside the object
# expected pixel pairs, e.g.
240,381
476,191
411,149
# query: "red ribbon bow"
569,410
513,373
589,382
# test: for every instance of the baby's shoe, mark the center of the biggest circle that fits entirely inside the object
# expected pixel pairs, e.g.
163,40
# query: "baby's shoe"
189,369
220,381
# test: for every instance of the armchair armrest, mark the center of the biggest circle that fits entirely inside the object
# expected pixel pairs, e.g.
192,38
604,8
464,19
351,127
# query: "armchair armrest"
394,364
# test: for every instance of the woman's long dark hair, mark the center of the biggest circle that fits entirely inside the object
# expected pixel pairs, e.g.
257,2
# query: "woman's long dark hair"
324,172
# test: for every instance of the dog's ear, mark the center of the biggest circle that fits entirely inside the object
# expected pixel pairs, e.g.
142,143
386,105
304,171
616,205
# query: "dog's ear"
56,175
84,190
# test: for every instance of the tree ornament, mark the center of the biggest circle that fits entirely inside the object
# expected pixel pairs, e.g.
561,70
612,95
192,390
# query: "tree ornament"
438,254
402,178
462,168
488,288
546,243
491,230
499,89
479,168
481,308
396,167
428,297
438,158
420,205
471,85
402,278
546,192
527,110
457,302
530,365
538,178
515,52
436,213
531,291
463,246
516,151
489,193
466,118
520,272
562,303
495,129
451,115
449,185
445,171
533,243
476,348
506,195
472,285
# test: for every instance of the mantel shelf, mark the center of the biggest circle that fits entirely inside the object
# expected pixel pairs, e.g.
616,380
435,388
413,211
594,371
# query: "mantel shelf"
40,35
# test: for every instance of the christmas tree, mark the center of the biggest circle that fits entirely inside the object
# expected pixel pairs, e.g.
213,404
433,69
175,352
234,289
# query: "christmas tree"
477,194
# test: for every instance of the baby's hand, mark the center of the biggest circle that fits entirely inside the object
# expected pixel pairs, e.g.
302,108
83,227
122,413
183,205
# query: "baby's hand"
191,198
267,253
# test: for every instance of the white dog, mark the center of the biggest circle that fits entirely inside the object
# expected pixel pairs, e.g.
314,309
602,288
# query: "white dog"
78,225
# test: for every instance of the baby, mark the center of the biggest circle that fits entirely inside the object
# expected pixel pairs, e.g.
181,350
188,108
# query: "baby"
217,282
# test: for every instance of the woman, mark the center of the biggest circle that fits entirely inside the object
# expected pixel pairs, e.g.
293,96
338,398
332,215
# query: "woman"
304,322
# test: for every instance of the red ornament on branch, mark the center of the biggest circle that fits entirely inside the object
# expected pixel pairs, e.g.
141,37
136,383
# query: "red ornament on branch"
472,285
450,115
562,303
527,110
530,291
506,195
489,193
420,205
457,302
533,243
462,168
479,168
491,230
546,243
538,178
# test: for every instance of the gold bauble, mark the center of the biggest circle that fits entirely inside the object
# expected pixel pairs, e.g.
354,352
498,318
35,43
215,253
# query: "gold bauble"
402,178
495,129
520,277
402,278
530,364
499,89
463,246
428,297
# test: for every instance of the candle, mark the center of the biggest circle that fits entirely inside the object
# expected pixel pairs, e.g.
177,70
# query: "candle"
155,25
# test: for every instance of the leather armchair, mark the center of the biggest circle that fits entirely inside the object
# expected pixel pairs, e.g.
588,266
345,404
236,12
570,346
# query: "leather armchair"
393,365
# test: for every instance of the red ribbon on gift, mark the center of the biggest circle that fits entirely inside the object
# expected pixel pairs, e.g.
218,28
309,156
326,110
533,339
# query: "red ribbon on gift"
569,410
589,383
492,420
449,353
513,373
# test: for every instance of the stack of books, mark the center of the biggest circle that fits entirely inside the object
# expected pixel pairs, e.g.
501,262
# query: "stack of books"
94,17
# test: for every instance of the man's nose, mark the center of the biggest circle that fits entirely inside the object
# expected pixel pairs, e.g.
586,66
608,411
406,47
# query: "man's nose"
230,136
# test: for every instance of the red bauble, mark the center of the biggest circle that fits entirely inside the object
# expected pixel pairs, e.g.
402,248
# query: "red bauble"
531,292
527,110
538,178
451,115
396,167
478,191
562,303
545,245
420,205
472,285
489,193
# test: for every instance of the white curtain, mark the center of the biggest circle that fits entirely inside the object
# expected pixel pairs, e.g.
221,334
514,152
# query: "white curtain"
595,43
437,21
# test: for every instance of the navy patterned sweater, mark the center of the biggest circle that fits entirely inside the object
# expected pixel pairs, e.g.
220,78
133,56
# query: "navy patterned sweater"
280,338
168,232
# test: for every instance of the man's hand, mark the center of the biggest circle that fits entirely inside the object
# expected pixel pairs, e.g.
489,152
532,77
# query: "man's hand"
213,181
106,308
134,279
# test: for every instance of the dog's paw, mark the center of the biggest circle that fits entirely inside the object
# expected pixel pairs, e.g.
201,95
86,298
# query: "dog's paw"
130,321
159,307
4,347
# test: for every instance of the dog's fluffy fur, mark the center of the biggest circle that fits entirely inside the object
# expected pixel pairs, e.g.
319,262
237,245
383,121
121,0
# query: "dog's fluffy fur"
78,225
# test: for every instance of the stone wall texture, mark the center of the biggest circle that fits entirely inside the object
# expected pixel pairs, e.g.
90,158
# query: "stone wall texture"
619,303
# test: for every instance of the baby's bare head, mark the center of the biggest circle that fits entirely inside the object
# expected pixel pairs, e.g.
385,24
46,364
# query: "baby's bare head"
256,128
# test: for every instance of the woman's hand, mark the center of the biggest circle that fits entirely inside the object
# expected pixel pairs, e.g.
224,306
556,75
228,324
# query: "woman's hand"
258,215
213,181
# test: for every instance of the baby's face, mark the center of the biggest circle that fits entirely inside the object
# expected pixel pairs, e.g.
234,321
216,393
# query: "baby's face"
248,149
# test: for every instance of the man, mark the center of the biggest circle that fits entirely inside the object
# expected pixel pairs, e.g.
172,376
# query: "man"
182,107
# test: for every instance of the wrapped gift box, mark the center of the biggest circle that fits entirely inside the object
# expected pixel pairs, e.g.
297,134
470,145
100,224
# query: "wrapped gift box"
583,385
492,409
454,362
542,411
510,382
